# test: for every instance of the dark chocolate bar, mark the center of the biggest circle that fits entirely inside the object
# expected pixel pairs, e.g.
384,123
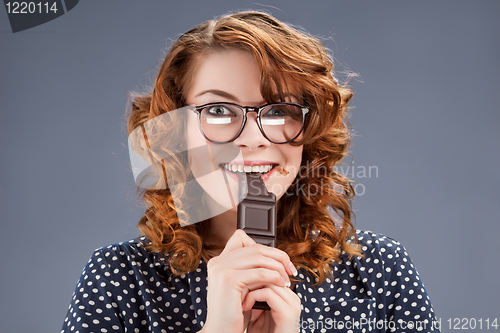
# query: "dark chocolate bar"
257,211
257,214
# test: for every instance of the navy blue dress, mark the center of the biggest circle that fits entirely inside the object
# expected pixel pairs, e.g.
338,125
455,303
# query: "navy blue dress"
125,288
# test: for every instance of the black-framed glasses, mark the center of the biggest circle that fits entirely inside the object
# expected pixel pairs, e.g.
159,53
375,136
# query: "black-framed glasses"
278,122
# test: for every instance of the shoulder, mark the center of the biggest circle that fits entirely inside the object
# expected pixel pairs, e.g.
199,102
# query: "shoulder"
123,251
382,252
385,263
123,258
375,241
378,245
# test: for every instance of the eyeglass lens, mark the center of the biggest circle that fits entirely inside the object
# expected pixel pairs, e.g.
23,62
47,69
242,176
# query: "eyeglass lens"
280,122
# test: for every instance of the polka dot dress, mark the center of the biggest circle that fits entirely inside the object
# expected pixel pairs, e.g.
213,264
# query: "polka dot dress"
125,288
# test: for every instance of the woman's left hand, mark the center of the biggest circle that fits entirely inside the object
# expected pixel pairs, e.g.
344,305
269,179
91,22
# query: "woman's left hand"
284,315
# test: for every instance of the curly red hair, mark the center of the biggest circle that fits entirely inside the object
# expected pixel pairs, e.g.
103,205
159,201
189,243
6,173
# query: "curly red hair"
285,55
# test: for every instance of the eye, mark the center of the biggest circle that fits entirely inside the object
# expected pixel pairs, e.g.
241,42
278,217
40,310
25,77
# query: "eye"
274,112
219,110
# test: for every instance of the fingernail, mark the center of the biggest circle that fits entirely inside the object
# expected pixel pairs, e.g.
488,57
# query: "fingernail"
293,269
287,281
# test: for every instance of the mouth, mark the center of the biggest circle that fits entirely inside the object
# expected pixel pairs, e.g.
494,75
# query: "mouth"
234,171
240,169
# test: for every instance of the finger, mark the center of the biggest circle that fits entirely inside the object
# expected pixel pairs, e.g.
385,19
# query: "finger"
247,316
267,295
278,298
244,258
277,255
258,277
238,240
253,287
285,293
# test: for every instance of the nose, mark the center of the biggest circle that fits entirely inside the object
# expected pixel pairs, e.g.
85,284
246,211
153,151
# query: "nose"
251,137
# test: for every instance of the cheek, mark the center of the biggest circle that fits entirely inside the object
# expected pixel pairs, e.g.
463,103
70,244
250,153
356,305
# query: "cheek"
282,181
294,158
194,137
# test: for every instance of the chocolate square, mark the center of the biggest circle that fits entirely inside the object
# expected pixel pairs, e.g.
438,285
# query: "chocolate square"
257,218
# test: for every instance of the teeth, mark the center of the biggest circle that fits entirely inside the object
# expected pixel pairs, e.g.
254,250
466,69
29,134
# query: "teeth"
247,168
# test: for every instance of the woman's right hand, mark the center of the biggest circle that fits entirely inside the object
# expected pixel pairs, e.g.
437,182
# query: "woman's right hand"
243,266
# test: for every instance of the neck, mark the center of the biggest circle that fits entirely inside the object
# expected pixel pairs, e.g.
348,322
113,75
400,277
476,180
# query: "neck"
220,229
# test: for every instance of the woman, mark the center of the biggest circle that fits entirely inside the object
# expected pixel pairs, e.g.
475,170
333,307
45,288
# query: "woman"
204,275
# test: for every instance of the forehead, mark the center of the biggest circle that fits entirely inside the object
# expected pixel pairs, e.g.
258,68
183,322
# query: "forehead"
234,72
232,75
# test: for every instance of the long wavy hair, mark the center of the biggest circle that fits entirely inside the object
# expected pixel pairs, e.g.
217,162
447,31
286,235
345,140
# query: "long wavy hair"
315,220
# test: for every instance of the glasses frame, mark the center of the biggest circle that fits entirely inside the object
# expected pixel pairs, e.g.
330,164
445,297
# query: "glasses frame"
246,109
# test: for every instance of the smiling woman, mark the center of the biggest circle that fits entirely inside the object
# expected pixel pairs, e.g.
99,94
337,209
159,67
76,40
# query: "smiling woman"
234,76
253,85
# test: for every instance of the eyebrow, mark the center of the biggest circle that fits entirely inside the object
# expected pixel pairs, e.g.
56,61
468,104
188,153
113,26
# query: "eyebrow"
220,93
227,95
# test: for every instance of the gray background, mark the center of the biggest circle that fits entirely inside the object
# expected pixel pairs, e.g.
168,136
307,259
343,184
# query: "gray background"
425,112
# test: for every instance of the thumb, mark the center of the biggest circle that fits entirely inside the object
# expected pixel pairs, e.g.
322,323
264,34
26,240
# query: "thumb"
238,240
